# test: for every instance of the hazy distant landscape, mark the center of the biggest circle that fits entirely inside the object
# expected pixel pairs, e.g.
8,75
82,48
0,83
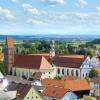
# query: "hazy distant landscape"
52,36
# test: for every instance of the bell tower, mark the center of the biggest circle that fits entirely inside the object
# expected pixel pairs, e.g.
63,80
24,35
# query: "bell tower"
8,55
52,49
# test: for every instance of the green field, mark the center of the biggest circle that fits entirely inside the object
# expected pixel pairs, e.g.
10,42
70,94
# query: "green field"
97,46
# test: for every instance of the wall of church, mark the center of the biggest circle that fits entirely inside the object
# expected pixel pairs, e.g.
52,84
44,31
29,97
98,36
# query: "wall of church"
49,73
61,71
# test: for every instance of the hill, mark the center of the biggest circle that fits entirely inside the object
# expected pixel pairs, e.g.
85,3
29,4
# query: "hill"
96,41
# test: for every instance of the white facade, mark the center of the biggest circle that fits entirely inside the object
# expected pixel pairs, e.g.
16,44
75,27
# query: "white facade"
1,75
86,68
95,63
95,88
67,96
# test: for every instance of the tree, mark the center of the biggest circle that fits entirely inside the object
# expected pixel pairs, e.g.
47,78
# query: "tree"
2,68
93,73
57,77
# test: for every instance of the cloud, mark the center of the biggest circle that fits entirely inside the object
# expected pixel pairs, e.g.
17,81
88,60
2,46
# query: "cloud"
6,14
54,2
98,8
14,1
34,11
81,3
36,21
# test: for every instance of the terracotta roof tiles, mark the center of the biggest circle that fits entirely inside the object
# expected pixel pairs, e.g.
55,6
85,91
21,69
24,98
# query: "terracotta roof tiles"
69,61
31,62
54,92
51,82
95,80
22,89
77,85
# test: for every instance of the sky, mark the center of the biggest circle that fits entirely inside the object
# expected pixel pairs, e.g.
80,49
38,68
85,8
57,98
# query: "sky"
29,17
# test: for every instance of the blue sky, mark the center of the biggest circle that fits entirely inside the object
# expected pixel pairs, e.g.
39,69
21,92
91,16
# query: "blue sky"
29,17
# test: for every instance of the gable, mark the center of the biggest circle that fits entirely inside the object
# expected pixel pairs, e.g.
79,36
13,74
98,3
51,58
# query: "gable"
45,64
32,94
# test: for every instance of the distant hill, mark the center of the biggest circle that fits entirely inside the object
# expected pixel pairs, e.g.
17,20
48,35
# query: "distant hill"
52,36
96,41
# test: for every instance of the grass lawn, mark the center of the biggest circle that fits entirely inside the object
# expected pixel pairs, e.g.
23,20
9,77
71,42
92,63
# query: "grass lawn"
97,46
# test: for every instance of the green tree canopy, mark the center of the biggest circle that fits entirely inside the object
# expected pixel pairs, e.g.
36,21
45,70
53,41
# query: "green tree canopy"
2,68
93,73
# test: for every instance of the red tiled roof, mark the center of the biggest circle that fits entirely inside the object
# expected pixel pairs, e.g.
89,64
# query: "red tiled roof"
65,78
31,62
77,85
55,92
95,80
9,42
73,61
51,82
69,61
46,55
22,89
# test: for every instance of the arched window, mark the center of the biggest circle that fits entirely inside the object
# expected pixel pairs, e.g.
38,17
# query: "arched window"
86,75
76,72
58,71
63,71
72,72
83,74
15,72
22,73
67,71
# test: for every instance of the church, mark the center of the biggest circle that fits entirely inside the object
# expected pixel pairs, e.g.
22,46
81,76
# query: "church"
50,65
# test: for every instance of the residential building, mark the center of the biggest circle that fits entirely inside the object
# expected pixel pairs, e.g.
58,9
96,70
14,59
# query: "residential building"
79,87
95,85
58,93
95,61
24,91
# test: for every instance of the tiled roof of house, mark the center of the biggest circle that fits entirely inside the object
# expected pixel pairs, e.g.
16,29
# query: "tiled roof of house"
74,61
65,78
77,85
54,92
22,89
9,42
51,82
16,79
95,80
98,70
31,62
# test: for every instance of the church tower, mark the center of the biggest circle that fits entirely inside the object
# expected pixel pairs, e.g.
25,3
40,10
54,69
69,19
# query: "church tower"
52,49
8,55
